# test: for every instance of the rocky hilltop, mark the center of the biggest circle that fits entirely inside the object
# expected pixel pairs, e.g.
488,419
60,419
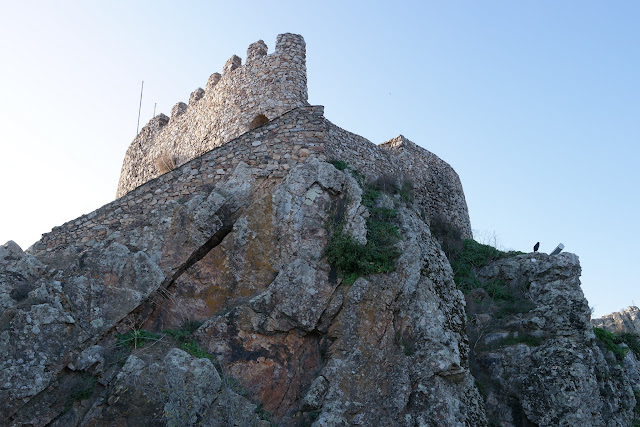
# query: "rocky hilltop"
294,274
109,332
535,352
626,321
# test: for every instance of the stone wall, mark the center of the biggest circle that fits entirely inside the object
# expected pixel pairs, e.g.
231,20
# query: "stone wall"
264,88
437,187
271,150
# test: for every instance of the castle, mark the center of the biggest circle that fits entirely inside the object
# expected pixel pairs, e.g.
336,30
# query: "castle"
256,113
215,254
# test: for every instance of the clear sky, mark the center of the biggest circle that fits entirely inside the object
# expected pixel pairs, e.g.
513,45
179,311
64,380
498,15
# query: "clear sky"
536,105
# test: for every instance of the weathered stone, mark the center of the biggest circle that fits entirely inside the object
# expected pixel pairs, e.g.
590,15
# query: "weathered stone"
551,370
196,95
627,321
178,109
232,243
256,51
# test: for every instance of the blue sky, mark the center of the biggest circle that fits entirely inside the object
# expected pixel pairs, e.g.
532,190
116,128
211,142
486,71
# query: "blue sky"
535,104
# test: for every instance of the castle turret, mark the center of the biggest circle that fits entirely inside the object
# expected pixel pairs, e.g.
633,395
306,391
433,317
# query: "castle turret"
234,102
256,51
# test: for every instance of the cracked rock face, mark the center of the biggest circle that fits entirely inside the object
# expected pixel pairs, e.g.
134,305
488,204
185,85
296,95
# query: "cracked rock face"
388,350
542,365
285,339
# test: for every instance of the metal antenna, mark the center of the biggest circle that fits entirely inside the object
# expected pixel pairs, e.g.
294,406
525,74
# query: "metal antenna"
154,109
139,108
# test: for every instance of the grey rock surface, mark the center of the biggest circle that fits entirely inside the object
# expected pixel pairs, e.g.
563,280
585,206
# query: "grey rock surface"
539,361
627,320
90,343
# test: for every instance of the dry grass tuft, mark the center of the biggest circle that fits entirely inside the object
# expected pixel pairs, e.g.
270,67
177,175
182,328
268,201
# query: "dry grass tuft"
166,162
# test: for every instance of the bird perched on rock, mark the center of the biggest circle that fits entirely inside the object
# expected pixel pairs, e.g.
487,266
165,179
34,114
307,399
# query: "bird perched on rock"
536,247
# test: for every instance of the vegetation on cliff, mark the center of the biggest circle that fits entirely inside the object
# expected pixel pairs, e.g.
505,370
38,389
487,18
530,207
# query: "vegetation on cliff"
353,259
467,256
612,342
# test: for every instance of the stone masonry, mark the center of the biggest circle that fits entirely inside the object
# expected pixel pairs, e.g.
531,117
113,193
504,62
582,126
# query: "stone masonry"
437,187
270,150
294,133
241,97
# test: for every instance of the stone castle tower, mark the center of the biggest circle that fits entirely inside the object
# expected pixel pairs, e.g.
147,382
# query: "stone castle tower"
241,98
265,100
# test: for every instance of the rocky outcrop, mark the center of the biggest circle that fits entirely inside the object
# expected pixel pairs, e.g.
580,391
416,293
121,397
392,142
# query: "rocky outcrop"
534,352
60,306
93,333
625,321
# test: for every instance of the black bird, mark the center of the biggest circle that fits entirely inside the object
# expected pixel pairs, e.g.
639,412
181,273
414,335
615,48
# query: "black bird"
536,247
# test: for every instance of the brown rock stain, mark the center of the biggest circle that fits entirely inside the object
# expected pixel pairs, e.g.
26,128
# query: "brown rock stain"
276,369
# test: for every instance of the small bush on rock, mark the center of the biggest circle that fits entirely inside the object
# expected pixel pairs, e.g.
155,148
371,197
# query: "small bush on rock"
633,342
136,338
611,341
339,164
351,258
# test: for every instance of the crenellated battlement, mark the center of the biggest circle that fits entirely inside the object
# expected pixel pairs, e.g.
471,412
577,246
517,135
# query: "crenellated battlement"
234,101
252,96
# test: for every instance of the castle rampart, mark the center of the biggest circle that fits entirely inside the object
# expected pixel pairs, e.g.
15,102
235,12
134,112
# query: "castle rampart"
255,113
267,85
270,150
437,187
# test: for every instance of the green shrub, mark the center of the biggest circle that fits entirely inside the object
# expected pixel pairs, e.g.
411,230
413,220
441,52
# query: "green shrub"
347,256
472,257
352,259
632,341
611,341
339,164
498,290
194,349
369,196
136,338
183,337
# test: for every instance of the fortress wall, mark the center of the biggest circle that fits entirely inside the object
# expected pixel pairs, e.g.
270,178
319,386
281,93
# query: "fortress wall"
270,149
268,84
437,187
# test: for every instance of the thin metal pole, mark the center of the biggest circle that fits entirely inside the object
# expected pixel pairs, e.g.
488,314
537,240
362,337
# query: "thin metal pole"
154,110
139,108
